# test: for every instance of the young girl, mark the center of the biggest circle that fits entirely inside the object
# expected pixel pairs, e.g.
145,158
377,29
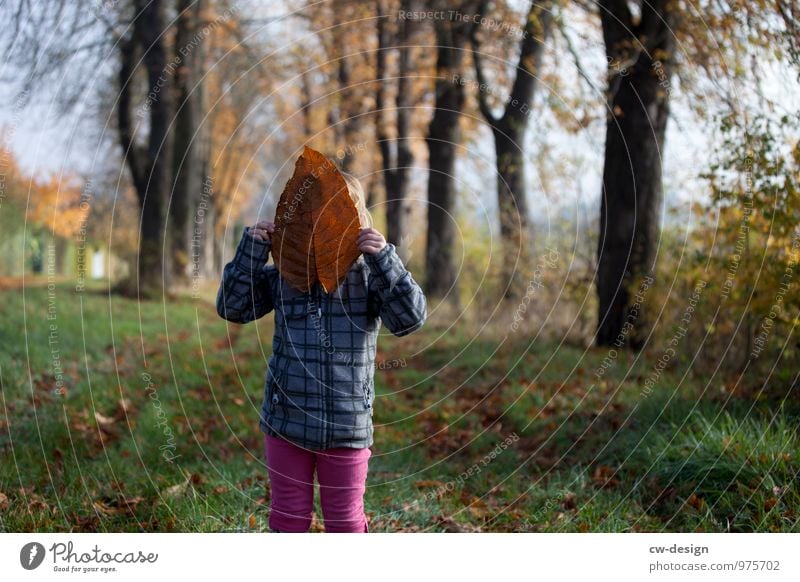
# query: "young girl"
317,408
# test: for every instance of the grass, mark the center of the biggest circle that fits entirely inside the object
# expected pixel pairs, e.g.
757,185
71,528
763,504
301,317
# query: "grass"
476,430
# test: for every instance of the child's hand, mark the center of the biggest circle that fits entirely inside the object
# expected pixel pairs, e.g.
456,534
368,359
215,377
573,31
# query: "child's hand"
370,241
262,230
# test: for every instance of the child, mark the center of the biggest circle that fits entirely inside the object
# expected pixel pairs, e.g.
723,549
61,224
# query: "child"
317,408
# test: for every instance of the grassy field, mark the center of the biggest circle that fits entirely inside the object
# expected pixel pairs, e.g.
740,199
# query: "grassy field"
156,429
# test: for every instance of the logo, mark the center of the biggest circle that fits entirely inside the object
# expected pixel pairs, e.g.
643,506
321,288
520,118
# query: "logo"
31,555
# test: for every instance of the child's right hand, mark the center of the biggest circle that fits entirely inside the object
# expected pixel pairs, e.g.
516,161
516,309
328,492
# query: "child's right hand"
262,230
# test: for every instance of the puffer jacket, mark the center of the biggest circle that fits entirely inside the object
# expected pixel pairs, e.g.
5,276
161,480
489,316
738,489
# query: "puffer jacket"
319,388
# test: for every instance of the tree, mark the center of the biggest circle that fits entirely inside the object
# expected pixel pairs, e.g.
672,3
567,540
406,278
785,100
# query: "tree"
508,130
159,49
150,164
640,52
345,58
444,136
396,154
718,42
190,139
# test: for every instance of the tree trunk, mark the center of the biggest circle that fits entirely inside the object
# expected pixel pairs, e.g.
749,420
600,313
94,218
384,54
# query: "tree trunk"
348,123
443,137
188,182
206,214
630,209
154,258
150,166
509,131
305,104
512,208
395,153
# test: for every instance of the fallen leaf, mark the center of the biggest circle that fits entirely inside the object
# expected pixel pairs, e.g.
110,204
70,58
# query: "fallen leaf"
427,484
569,501
604,477
104,421
109,507
450,525
695,501
177,489
123,409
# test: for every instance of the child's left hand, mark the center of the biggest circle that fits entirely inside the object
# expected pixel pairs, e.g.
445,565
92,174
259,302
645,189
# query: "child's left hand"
370,241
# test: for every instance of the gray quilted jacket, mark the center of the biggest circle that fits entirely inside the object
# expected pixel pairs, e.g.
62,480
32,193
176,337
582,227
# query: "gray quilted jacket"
319,382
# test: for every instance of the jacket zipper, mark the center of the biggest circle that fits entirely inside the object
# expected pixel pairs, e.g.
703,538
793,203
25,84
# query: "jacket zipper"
275,398
323,362
367,404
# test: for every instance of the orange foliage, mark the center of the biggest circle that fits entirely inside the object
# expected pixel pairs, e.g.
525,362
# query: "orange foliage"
56,204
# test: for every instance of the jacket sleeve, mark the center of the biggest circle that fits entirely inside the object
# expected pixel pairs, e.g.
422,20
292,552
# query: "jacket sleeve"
393,293
244,294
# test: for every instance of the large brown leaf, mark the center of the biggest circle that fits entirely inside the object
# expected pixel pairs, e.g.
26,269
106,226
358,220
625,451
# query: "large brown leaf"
317,224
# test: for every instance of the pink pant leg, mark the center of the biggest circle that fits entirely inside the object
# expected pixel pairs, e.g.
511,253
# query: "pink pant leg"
342,475
291,478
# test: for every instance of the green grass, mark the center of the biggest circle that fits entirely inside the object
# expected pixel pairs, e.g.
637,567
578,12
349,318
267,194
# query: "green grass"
581,453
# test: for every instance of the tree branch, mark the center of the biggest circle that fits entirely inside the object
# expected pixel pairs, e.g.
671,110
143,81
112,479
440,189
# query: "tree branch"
537,28
477,59
562,28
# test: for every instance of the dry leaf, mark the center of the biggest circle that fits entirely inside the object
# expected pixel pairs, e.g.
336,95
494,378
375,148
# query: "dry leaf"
427,484
451,525
177,489
109,507
103,420
604,477
569,501
695,501
316,225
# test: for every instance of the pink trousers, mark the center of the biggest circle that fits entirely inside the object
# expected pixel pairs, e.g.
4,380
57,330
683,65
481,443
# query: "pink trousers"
342,476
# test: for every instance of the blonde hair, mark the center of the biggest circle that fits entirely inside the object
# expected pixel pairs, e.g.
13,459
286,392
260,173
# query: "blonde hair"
359,199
